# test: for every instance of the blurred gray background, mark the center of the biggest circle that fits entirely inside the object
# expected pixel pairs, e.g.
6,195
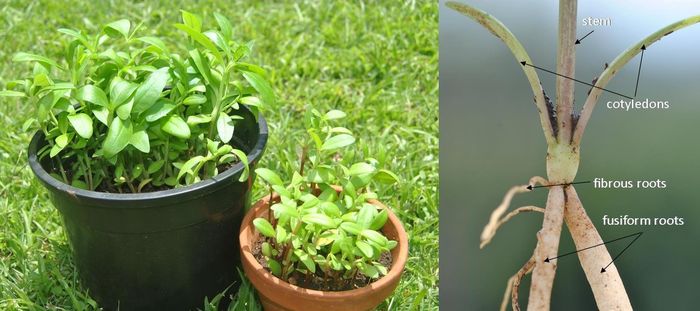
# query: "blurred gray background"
491,139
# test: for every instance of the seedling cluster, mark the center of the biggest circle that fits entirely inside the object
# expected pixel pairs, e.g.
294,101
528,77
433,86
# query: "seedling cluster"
324,222
122,113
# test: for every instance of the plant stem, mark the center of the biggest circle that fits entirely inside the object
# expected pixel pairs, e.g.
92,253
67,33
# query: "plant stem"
269,210
547,245
608,289
287,254
566,65
303,160
63,171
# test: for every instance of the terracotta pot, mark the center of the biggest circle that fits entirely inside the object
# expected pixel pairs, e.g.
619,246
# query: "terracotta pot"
276,294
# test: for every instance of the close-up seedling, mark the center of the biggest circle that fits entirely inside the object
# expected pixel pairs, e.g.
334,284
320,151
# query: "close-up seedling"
563,128
318,229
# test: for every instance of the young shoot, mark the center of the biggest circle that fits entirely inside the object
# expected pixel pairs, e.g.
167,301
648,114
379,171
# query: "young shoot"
123,113
324,223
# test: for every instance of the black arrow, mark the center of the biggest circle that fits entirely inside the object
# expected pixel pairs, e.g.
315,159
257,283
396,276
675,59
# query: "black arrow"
530,187
579,81
644,48
602,270
583,249
578,41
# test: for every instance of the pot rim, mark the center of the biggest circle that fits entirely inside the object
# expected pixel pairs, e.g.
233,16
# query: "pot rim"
397,266
194,190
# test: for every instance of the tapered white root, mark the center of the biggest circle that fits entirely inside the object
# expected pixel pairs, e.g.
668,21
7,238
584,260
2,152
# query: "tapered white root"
608,289
547,245
495,221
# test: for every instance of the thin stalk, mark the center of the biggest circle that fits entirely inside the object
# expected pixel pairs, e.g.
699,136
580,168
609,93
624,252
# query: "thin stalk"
287,255
616,65
63,171
566,65
89,171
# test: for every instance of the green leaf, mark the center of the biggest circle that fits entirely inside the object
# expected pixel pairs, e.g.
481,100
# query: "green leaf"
264,227
26,57
334,114
201,39
192,20
198,119
9,93
176,126
55,150
275,267
120,91
124,111
338,141
150,91
219,40
121,26
361,168
195,99
62,140
156,42
266,249
244,159
379,220
269,176
225,26
102,114
118,136
370,271
281,235
365,248
320,174
92,94
306,260
261,85
202,66
160,109
351,227
366,215
224,126
252,101
79,184
155,166
330,209
82,123
375,237
386,177
140,141
77,35
186,168
285,210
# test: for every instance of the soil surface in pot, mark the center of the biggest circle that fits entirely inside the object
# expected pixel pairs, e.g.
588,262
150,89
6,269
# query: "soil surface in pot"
317,281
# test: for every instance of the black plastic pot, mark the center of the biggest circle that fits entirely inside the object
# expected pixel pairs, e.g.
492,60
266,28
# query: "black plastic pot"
164,250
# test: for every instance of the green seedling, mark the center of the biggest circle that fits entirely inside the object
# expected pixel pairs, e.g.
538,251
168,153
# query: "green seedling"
316,229
122,113
563,128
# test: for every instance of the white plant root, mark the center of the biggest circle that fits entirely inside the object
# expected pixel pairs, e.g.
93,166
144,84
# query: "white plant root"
547,245
608,289
495,221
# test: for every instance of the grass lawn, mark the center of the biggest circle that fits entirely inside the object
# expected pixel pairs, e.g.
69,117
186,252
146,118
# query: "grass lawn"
376,60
